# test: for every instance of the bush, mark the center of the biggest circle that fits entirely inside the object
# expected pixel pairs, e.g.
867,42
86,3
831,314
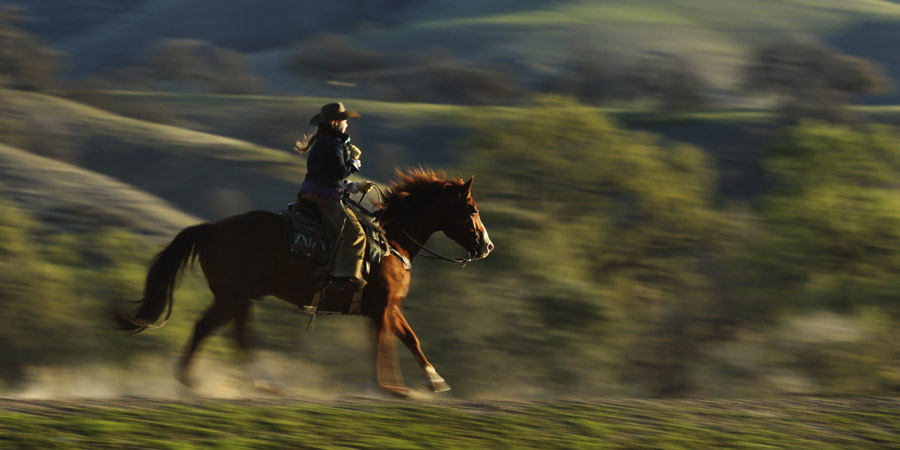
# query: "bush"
671,81
811,80
328,55
25,62
200,63
829,234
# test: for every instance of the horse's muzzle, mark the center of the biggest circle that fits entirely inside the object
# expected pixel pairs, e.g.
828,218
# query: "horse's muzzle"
485,246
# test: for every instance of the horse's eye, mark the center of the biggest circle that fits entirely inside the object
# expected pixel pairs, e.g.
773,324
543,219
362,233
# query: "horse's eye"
472,210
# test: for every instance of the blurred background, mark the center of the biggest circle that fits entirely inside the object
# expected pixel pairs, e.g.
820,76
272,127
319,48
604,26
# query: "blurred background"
689,198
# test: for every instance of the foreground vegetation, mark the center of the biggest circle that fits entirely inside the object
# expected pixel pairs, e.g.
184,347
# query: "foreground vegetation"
621,269
799,423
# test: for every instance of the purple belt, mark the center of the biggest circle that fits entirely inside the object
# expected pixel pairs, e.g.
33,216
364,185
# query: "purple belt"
324,191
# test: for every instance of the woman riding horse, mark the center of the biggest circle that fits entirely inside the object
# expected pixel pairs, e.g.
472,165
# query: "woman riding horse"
331,159
247,256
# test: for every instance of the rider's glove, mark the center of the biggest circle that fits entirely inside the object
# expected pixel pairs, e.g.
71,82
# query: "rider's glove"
355,152
365,186
355,164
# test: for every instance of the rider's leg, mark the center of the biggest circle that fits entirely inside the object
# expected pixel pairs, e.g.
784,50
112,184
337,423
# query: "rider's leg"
349,259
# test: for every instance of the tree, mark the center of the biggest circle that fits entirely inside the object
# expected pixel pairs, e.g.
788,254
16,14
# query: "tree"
449,79
591,75
810,79
200,63
832,226
429,75
669,80
25,63
330,55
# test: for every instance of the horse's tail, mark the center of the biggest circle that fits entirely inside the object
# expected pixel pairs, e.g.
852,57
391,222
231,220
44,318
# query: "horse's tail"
160,284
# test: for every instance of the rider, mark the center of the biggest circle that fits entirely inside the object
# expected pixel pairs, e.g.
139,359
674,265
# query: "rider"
331,159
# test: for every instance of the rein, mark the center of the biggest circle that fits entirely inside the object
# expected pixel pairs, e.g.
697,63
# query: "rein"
435,255
431,253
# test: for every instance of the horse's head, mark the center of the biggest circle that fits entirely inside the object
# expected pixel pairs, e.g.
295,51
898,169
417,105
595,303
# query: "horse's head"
462,221
426,202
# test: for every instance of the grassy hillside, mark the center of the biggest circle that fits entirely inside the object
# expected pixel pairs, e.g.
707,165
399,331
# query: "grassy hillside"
75,199
536,35
716,36
390,134
203,174
409,134
801,423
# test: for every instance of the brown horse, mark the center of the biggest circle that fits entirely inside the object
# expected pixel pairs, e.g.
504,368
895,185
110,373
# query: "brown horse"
246,256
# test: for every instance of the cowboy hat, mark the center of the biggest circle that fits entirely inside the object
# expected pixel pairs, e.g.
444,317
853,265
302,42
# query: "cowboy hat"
332,111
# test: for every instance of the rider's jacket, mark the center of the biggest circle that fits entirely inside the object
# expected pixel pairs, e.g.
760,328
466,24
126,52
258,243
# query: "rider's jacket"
328,163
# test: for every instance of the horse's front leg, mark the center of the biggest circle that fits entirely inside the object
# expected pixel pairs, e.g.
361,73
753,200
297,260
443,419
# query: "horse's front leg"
402,330
387,368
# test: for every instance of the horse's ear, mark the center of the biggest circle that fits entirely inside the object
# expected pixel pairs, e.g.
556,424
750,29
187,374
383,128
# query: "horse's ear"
468,186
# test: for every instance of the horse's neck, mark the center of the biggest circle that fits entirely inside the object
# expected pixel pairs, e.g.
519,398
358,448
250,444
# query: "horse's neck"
407,235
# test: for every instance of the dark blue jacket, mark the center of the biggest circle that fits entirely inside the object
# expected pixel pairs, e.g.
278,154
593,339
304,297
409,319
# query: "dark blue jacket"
328,162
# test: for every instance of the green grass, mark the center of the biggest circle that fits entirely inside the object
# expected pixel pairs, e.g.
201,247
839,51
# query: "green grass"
571,14
803,423
212,105
207,109
716,36
799,14
700,28
303,105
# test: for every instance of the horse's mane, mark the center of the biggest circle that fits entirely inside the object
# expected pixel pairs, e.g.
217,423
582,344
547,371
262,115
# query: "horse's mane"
411,188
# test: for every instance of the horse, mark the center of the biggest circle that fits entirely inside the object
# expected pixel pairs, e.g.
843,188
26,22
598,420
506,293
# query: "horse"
247,256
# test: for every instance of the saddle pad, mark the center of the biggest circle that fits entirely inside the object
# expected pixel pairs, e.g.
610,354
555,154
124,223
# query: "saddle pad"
306,237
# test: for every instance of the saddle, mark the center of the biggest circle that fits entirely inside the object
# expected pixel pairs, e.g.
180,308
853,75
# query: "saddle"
307,236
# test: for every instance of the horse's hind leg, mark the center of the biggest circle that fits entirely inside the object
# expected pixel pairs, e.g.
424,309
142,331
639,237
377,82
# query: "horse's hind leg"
222,310
260,378
242,331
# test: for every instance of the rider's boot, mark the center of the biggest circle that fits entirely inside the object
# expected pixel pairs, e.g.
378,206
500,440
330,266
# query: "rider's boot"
348,266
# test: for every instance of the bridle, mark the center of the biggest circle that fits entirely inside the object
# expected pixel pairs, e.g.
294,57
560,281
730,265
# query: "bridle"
435,255
431,254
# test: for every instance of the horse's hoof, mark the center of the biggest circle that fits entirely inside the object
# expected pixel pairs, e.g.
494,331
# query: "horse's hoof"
439,386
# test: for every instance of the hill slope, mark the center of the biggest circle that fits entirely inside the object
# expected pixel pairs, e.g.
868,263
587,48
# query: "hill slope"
390,134
533,35
410,134
204,174
71,198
